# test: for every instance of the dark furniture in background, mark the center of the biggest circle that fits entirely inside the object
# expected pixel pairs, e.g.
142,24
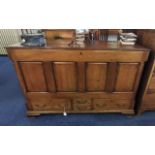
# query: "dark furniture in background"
147,89
54,34
103,34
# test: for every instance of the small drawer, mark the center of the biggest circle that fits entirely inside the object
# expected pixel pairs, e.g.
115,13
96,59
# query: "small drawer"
82,104
51,105
107,104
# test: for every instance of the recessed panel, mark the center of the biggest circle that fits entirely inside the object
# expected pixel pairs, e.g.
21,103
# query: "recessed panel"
96,76
126,77
65,76
34,76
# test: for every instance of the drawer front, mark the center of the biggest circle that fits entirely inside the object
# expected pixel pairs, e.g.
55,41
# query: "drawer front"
51,105
82,104
46,102
108,104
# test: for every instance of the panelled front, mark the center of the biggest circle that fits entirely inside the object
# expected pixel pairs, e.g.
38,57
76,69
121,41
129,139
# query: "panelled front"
80,83
65,76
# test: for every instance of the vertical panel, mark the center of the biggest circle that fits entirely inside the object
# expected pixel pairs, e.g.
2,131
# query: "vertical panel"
139,75
126,79
96,76
81,76
34,76
20,76
111,76
49,74
65,76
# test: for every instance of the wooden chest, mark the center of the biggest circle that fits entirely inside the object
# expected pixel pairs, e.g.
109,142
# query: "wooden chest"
102,77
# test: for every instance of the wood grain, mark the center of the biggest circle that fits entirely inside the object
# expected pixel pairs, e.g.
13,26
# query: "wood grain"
99,77
76,55
34,76
49,75
111,76
81,76
126,77
65,76
100,104
96,76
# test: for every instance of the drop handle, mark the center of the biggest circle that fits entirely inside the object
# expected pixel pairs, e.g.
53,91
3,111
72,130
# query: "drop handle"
64,112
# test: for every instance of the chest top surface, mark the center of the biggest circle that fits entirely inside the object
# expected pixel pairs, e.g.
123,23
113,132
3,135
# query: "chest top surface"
96,45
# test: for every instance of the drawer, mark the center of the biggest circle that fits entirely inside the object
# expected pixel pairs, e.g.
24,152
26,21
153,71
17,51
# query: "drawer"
108,104
46,103
82,104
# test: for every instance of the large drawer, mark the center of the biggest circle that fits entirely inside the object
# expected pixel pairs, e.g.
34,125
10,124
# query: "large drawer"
101,104
41,103
46,102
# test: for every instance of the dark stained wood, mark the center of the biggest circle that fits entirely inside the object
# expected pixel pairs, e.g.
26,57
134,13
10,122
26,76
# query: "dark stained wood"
148,101
152,83
126,78
34,76
111,76
146,95
104,33
65,76
96,76
139,75
81,76
49,76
